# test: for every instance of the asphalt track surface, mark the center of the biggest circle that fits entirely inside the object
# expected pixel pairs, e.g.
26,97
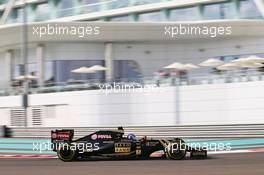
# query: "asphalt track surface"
226,164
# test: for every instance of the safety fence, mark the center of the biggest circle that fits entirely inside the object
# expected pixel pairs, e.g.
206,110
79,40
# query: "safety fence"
183,131
165,80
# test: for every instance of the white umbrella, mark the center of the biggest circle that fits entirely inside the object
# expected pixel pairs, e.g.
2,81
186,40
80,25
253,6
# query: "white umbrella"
176,65
250,59
255,59
240,61
212,62
251,65
98,68
83,70
228,66
26,77
190,66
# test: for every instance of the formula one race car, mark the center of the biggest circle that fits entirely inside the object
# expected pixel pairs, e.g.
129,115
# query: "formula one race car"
113,144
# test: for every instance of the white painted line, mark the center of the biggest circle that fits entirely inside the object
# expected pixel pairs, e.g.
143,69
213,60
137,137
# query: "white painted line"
230,152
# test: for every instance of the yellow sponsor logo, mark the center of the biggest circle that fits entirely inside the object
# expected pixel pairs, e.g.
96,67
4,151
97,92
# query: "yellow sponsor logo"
122,147
122,150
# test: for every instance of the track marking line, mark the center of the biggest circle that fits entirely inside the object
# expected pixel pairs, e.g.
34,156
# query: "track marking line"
155,154
17,156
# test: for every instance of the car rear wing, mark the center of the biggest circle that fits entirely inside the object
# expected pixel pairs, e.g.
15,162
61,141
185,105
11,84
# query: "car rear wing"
64,135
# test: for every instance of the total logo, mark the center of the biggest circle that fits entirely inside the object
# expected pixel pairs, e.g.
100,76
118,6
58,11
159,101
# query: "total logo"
101,136
60,135
54,135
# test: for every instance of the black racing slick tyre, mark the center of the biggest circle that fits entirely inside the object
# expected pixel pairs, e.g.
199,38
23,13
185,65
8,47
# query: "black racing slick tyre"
66,154
176,150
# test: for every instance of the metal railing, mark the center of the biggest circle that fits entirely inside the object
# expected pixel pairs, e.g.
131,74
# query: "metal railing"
183,131
163,81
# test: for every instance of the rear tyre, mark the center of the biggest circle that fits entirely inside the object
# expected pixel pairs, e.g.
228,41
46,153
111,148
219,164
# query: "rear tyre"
176,150
66,154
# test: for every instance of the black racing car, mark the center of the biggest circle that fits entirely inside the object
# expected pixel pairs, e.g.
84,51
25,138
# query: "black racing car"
113,144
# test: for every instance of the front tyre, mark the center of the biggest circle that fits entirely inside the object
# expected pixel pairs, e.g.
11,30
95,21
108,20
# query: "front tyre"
176,149
66,154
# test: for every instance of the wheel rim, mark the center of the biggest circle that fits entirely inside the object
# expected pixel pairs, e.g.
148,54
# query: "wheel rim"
176,150
66,154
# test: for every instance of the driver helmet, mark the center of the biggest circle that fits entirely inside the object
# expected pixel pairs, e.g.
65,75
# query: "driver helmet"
131,137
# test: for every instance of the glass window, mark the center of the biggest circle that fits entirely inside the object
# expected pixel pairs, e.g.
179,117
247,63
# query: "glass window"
185,14
18,70
219,11
62,70
118,4
49,71
119,18
42,12
66,4
126,69
90,1
32,69
142,2
249,10
66,8
16,15
212,11
151,16
228,10
89,6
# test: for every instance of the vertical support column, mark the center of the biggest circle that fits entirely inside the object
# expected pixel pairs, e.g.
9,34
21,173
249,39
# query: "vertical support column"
40,64
165,14
178,101
109,61
8,68
201,11
133,17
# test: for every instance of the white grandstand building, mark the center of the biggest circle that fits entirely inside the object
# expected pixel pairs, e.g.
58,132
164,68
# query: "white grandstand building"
133,39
